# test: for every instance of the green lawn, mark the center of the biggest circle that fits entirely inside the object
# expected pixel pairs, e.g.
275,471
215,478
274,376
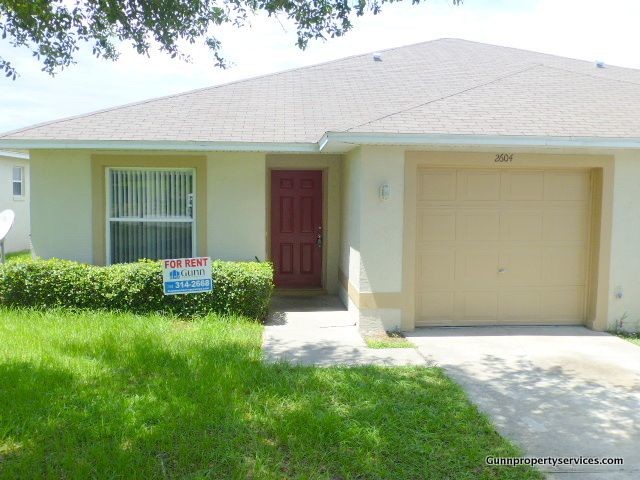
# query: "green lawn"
630,337
96,395
390,340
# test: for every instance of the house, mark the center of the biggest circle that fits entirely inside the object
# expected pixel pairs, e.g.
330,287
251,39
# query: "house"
443,183
14,195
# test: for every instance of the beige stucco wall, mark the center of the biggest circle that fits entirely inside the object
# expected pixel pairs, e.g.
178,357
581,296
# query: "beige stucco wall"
349,269
18,237
350,218
371,257
381,244
625,241
236,195
381,220
61,216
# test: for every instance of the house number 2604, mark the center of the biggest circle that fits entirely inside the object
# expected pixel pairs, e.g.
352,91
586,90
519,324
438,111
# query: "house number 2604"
503,158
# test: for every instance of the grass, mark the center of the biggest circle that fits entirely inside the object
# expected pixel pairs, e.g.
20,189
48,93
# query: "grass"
630,337
101,395
19,256
390,340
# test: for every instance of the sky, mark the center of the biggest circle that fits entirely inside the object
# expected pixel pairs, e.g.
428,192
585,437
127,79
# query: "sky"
585,29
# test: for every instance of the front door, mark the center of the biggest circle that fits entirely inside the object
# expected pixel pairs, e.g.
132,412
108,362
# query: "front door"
296,228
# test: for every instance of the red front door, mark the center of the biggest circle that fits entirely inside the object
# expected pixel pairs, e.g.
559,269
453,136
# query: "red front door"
296,228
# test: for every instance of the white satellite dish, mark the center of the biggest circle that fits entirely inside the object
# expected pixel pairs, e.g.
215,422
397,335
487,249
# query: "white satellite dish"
6,222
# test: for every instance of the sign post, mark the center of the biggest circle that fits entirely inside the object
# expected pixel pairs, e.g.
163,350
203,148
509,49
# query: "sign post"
187,275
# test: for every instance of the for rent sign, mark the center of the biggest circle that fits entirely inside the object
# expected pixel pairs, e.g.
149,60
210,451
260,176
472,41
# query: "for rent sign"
187,275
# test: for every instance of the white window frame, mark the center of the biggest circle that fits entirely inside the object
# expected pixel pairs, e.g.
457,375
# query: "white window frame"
109,219
21,182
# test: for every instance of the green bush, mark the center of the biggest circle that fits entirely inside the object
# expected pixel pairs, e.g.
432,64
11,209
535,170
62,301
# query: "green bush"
239,288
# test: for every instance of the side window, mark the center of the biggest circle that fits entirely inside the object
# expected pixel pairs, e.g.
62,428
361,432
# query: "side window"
18,181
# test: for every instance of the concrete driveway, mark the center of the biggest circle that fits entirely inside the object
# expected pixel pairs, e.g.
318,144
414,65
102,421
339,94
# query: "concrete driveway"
555,391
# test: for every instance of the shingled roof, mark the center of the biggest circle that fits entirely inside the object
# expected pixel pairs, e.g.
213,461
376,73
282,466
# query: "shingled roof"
444,86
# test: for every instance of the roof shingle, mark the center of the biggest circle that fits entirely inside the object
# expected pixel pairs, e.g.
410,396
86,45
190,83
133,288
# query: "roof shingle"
444,86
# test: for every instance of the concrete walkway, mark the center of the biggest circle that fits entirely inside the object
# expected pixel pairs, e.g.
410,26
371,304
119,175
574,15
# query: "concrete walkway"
318,330
559,391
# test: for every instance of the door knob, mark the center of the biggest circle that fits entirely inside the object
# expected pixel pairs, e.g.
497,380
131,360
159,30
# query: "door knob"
319,240
502,270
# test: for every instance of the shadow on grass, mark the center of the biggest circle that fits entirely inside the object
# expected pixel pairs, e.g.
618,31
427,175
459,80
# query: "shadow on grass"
144,408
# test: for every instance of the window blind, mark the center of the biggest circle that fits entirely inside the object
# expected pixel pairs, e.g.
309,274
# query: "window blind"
150,214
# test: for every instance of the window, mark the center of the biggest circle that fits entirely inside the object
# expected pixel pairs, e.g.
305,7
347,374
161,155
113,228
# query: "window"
150,214
18,181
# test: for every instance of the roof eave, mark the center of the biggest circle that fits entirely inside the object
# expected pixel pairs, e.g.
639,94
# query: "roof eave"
331,140
18,155
45,144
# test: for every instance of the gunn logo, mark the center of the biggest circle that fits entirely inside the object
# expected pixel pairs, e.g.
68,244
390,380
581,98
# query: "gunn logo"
187,275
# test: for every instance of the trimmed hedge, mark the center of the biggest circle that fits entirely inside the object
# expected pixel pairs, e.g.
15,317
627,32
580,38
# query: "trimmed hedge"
239,288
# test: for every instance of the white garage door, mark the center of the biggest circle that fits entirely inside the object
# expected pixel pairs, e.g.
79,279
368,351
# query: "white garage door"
501,247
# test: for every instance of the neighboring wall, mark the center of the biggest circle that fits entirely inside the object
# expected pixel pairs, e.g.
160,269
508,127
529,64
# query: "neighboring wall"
625,242
18,238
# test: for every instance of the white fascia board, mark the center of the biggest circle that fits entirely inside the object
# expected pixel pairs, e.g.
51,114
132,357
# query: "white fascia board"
21,156
330,141
354,139
153,145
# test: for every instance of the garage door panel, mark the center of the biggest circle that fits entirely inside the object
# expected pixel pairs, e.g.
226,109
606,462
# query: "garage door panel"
477,267
478,185
522,226
566,186
437,185
436,225
478,226
566,226
521,186
478,305
436,268
519,304
435,305
565,265
522,266
502,246
564,304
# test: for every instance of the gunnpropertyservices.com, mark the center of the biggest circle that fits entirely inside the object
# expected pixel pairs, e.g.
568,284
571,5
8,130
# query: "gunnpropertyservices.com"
553,461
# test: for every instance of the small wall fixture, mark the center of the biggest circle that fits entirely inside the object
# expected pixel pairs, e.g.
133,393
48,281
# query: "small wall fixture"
384,191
